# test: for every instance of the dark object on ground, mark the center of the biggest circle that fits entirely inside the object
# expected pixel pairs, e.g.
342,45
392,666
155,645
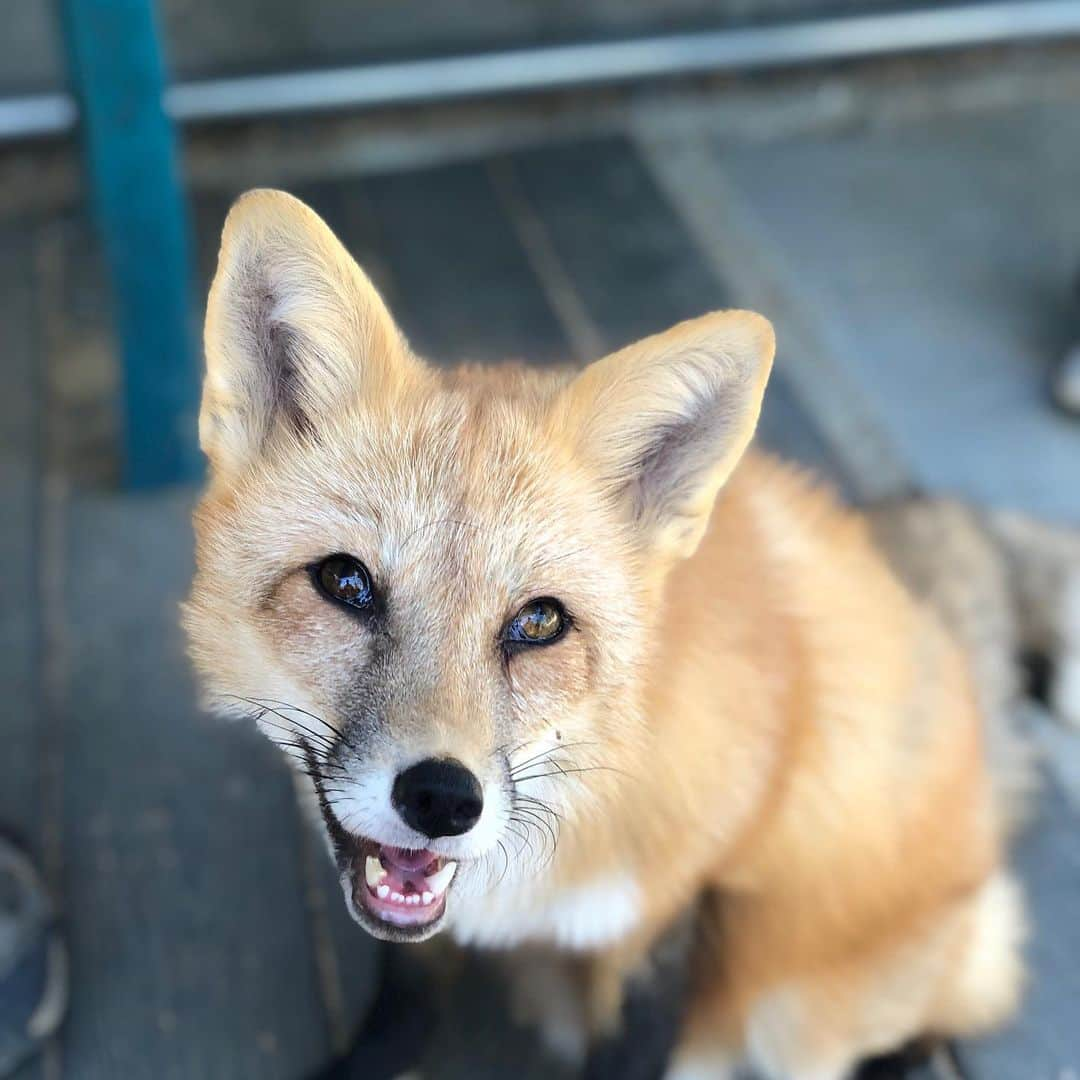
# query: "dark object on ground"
926,1059
652,1013
33,962
1067,382
395,1032
1066,385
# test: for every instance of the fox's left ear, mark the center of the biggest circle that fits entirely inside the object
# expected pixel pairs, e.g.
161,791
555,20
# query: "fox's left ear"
666,420
294,331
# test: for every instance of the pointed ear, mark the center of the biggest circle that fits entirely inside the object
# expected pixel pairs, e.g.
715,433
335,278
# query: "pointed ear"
293,328
666,420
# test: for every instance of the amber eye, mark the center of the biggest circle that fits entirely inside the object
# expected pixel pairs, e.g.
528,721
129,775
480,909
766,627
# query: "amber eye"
343,578
539,622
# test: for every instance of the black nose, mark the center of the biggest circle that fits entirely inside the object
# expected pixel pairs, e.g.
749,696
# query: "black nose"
438,797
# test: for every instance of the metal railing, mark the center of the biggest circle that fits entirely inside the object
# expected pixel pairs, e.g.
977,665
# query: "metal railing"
576,65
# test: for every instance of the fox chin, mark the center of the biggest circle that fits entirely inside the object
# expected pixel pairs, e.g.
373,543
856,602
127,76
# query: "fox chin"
562,661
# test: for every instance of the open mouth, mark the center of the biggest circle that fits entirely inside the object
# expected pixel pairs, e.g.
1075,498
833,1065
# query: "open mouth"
404,888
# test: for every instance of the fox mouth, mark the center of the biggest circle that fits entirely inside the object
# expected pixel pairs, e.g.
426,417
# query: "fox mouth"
402,892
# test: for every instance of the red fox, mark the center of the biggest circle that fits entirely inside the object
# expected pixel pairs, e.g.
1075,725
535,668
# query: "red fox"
562,660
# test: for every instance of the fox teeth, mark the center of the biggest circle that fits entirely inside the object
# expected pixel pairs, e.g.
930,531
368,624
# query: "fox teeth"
427,897
439,882
382,892
373,871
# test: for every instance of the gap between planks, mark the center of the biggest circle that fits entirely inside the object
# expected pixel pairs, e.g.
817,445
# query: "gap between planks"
50,525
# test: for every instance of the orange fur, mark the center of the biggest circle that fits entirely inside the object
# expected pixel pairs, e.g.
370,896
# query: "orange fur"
749,709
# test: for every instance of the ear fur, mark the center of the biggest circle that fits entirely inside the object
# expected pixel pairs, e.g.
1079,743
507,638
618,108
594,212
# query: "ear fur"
666,420
293,327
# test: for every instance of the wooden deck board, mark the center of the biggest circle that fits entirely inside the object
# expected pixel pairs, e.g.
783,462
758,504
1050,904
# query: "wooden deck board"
638,271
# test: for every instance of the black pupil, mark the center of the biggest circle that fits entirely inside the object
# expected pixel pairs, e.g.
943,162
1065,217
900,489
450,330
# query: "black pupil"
345,579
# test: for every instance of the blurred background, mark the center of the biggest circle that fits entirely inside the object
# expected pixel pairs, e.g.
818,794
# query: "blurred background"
897,187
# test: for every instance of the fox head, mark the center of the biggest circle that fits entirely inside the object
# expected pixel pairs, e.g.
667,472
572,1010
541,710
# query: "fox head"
436,589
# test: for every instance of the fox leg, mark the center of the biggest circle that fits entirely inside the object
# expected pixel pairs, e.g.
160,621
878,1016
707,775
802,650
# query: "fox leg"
1065,690
704,1062
546,996
710,1043
957,974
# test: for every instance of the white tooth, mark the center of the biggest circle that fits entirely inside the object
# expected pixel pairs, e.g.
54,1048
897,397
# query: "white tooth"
383,891
373,871
415,898
438,883
397,898
428,897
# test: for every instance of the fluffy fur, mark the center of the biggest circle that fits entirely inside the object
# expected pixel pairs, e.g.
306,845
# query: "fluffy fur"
750,712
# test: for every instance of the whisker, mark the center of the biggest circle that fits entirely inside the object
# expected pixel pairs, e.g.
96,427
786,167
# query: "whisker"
323,740
541,823
323,778
551,855
552,750
508,754
326,740
320,739
524,836
304,747
440,521
568,772
539,803
506,863
565,554
334,732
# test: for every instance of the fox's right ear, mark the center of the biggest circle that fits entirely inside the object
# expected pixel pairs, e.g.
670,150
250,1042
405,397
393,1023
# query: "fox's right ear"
294,330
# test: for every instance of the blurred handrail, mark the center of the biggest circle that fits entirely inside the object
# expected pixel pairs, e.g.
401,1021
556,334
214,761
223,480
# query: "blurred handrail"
564,66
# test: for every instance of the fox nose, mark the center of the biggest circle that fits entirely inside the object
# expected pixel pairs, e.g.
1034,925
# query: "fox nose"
438,797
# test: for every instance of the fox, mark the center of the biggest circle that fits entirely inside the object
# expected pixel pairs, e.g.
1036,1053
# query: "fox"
563,662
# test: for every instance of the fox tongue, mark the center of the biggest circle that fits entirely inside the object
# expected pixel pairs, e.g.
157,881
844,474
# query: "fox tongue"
407,862
405,869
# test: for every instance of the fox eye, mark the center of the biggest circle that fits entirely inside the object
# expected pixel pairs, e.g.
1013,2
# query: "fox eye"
539,622
343,578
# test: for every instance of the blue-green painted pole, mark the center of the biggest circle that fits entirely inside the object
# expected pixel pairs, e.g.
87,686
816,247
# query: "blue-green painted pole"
116,71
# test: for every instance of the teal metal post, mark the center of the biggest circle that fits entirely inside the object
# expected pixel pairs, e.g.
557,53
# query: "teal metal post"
116,71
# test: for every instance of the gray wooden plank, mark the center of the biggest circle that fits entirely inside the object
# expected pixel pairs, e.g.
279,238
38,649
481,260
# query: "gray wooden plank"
940,257
19,477
465,290
628,254
190,947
